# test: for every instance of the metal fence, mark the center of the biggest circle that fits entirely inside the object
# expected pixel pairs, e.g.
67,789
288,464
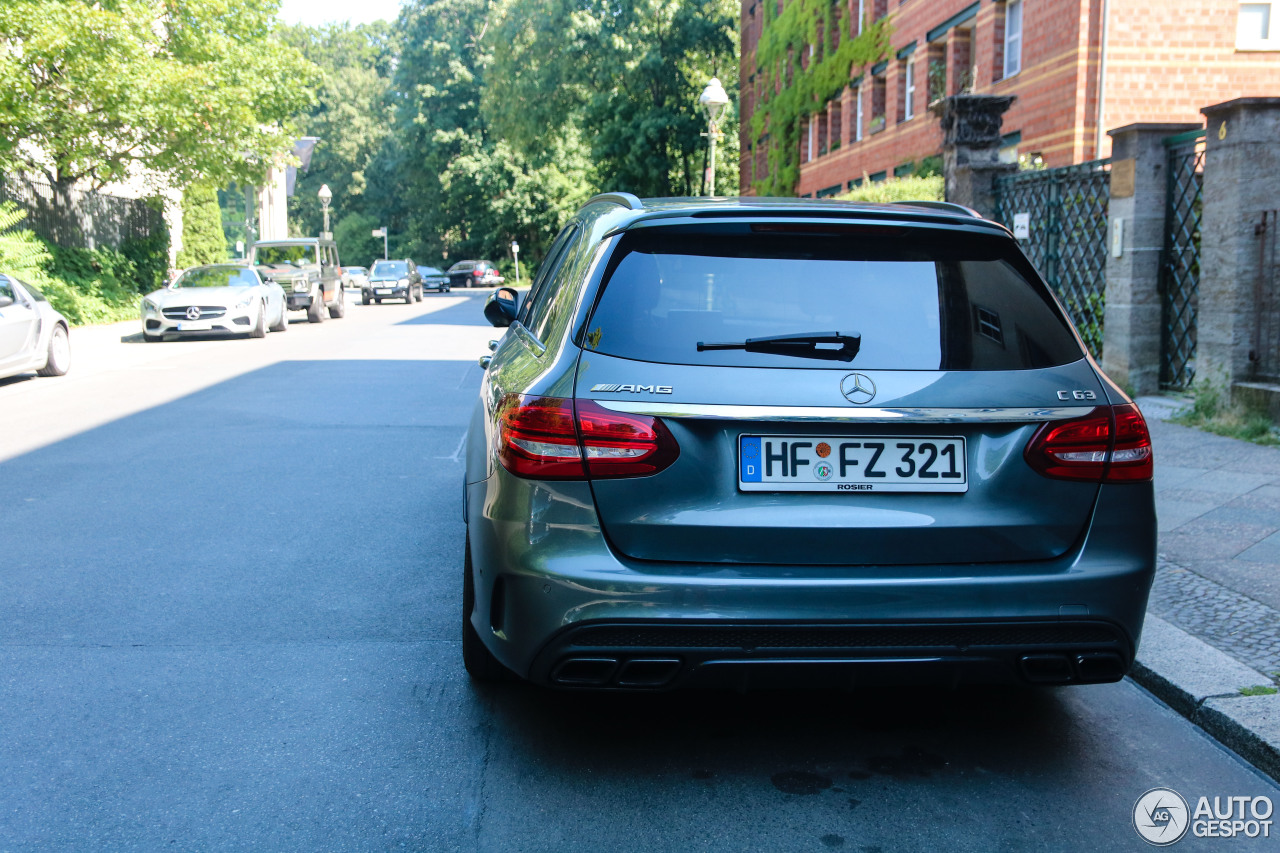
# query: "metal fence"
84,220
1060,219
1264,352
1180,260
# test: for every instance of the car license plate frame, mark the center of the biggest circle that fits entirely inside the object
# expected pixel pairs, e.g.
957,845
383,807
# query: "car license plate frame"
935,464
383,291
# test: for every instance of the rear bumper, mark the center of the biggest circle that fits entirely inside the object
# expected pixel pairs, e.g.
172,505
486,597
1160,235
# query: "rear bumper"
550,590
662,655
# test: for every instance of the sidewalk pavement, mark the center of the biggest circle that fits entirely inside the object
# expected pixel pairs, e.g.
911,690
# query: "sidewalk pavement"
1213,621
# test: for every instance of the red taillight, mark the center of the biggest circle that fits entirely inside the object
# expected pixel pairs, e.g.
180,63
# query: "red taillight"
538,438
1110,444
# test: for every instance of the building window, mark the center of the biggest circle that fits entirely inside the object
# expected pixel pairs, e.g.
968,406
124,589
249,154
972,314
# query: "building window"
1012,38
909,90
878,99
1257,27
837,124
857,116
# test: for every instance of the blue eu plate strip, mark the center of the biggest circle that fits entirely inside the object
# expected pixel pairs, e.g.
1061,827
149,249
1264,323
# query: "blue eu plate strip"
749,459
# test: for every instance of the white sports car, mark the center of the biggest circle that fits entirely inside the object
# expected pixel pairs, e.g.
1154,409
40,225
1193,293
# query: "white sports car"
215,299
33,336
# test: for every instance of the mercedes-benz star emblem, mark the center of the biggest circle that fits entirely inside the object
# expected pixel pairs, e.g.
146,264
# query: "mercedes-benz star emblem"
858,388
193,313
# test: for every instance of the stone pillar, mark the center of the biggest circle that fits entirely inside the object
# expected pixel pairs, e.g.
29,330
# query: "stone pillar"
1241,175
971,149
1133,330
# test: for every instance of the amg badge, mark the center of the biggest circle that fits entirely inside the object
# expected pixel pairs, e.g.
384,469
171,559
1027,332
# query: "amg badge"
634,389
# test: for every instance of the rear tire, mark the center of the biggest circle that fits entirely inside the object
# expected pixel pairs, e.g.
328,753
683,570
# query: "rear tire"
337,312
480,663
58,361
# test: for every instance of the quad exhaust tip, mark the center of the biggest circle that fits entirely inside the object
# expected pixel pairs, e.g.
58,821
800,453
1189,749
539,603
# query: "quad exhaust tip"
1085,667
610,672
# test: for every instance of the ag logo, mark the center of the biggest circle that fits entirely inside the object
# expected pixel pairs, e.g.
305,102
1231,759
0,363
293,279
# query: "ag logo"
1161,816
858,388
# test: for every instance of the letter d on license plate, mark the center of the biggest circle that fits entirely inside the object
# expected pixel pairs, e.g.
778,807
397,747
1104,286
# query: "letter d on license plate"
865,463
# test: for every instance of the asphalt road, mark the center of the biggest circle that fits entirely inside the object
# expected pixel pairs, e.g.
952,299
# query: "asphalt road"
230,575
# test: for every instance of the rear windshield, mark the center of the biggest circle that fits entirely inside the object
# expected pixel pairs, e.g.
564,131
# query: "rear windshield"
920,300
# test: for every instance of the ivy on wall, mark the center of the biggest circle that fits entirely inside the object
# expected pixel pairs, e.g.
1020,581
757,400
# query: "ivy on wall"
780,59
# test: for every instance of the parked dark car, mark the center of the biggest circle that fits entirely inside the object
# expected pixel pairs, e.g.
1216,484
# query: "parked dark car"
473,274
396,279
775,441
433,279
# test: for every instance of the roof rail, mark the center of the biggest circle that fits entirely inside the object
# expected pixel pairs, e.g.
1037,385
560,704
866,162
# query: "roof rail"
949,206
627,200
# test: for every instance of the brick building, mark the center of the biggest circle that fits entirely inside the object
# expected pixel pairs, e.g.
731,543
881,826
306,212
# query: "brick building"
1151,60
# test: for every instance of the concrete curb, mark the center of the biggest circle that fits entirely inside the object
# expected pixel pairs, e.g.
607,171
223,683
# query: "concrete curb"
1204,684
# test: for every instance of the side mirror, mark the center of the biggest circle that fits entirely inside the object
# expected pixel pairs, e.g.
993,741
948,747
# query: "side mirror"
500,307
6,301
485,360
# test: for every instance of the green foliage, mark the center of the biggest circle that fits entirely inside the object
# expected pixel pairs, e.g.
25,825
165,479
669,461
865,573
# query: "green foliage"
634,103
897,189
1088,318
1259,690
781,57
356,246
202,239
98,286
351,114
189,89
1214,411
149,255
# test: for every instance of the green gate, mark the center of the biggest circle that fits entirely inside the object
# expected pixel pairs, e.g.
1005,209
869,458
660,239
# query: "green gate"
1064,212
1180,259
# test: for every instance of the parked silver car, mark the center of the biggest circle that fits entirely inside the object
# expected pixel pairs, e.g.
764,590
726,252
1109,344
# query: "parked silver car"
768,441
33,336
215,299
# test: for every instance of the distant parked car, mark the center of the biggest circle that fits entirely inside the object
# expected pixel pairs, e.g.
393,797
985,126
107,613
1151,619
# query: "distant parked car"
33,336
356,278
215,299
308,270
393,280
472,274
433,279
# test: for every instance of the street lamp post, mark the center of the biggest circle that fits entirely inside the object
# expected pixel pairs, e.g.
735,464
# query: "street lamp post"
382,232
713,100
326,196
515,255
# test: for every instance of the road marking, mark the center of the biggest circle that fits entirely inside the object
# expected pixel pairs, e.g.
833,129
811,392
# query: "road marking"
457,453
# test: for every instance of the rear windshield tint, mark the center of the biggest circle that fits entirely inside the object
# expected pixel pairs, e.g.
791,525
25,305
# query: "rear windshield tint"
921,300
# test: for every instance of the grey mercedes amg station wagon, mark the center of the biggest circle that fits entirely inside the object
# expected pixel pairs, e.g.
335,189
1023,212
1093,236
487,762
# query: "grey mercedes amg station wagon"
769,442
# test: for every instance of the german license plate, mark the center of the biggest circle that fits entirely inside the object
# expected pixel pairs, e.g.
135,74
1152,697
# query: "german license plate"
193,327
866,463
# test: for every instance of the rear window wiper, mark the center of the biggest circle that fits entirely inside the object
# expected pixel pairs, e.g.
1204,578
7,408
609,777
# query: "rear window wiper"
812,345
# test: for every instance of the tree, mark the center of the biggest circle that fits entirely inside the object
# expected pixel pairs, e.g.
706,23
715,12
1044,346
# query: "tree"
634,103
351,115
187,89
203,241
471,192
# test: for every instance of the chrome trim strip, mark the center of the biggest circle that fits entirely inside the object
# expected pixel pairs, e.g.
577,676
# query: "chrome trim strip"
833,413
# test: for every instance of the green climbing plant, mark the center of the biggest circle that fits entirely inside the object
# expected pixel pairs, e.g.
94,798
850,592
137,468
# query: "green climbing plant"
784,45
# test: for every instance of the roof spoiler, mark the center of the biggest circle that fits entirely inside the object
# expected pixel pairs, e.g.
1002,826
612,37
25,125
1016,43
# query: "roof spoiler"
950,207
626,200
